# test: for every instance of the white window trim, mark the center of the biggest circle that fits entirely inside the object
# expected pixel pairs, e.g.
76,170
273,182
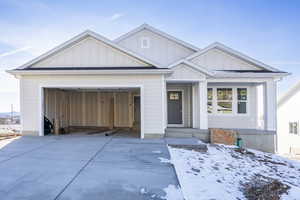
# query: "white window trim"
147,39
234,101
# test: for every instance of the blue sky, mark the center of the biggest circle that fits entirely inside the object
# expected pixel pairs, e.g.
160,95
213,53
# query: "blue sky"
267,30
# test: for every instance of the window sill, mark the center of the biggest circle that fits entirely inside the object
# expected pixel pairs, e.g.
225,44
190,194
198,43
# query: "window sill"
229,115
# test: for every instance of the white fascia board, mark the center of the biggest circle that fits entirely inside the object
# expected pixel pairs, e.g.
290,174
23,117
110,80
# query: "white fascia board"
192,65
87,72
249,75
234,53
289,94
161,33
202,51
238,80
199,68
80,37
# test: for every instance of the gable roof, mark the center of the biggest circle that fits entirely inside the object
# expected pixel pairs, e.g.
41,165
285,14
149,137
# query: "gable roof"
234,53
192,65
79,38
161,33
288,95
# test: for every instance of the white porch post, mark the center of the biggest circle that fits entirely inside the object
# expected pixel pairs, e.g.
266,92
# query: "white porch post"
164,96
195,97
270,105
202,91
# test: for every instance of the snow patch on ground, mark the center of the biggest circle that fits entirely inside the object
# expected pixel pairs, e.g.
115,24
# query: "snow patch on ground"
173,193
294,194
220,172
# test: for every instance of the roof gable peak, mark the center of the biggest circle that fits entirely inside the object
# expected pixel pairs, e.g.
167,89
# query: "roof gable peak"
192,65
233,52
156,31
81,36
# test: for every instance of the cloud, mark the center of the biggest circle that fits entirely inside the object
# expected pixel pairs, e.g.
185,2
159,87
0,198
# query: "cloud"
116,16
9,53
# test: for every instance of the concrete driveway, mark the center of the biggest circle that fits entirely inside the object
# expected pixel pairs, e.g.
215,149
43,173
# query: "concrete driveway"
84,167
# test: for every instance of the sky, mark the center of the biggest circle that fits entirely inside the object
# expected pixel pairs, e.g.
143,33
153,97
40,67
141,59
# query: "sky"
267,30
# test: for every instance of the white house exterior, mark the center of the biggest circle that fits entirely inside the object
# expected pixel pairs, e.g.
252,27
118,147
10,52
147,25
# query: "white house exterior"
288,122
181,87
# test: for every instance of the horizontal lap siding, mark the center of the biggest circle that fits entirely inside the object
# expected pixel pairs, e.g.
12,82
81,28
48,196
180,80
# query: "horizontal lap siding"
152,84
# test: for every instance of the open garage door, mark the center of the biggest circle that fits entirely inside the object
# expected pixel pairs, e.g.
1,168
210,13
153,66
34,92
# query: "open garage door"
92,111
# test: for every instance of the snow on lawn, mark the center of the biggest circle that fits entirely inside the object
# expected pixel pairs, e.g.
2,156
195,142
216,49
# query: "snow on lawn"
221,172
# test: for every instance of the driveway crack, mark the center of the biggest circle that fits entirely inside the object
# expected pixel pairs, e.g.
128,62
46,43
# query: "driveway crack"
82,168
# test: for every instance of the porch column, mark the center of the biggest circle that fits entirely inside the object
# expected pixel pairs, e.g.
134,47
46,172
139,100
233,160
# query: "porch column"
202,91
270,105
165,104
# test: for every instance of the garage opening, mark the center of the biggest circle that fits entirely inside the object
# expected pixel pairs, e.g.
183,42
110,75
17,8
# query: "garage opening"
109,111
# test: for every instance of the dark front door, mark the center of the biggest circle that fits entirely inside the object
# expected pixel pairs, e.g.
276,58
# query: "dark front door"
174,107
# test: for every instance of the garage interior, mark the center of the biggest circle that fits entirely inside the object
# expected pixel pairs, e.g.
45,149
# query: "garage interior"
92,111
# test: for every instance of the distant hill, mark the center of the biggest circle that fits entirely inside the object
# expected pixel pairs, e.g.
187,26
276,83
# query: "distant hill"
7,114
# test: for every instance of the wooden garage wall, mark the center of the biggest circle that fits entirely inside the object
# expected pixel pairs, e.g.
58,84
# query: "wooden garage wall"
84,108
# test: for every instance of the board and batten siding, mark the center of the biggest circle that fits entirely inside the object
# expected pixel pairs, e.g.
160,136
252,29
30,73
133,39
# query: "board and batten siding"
152,86
90,52
161,49
216,59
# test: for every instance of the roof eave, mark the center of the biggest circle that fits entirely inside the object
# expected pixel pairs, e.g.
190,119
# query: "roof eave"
192,65
87,72
250,75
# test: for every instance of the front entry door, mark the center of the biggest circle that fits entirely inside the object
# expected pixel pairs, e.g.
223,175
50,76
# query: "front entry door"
174,107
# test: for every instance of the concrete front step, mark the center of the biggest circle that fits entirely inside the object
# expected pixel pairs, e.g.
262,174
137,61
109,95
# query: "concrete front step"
187,133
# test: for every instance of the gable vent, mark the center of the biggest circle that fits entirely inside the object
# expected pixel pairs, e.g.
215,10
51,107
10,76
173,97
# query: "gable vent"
145,42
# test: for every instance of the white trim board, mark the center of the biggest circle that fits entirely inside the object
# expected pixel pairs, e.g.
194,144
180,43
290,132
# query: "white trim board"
193,66
41,102
89,72
289,94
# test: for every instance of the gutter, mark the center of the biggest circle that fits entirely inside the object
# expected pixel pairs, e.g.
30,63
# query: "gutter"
250,75
87,72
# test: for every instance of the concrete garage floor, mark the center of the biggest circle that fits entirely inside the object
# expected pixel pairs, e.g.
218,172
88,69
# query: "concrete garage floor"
85,167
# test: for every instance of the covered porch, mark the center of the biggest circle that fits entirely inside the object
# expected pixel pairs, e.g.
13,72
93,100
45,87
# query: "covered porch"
211,103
